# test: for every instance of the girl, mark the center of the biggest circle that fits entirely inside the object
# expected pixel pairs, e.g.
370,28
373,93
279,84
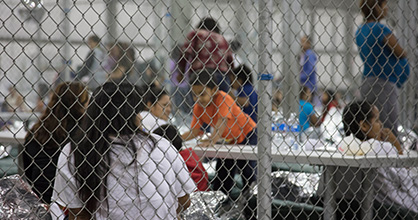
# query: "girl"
50,134
116,171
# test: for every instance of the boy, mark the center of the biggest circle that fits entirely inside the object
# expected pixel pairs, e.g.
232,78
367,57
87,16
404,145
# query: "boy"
219,110
307,116
242,82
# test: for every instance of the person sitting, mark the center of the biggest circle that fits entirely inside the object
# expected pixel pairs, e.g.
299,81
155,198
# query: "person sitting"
193,163
241,81
219,110
117,171
329,101
307,116
158,104
50,134
365,135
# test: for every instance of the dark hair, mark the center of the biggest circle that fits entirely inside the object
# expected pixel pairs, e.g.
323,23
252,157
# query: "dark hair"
331,95
112,113
368,8
94,38
352,115
153,94
59,119
304,91
209,24
206,78
170,133
243,73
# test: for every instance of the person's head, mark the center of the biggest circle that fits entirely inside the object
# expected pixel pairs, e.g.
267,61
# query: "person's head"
170,133
93,41
306,42
240,76
209,24
327,96
305,94
114,110
65,108
361,119
158,102
204,86
374,9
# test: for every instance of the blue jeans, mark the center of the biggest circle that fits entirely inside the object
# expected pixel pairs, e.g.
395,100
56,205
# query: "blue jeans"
226,169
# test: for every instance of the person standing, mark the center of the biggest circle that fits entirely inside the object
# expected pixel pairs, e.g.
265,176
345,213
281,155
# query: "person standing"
385,65
308,65
206,48
91,70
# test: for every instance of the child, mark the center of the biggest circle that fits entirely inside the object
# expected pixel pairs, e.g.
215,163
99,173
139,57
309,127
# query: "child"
241,81
219,110
307,116
329,101
365,135
193,163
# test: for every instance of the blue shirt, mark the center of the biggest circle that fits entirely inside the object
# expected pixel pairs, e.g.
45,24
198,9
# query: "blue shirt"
308,72
379,60
305,111
248,91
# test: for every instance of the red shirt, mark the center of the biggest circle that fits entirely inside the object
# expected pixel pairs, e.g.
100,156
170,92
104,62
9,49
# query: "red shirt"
206,49
196,169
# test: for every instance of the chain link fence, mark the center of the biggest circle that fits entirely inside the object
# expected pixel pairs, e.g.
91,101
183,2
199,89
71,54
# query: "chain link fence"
271,109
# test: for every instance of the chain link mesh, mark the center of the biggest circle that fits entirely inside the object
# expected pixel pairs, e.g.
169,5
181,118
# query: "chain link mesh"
272,109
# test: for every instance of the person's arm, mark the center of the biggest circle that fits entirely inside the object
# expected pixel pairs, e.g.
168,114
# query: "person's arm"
315,121
79,214
184,203
391,41
190,134
387,135
243,101
218,130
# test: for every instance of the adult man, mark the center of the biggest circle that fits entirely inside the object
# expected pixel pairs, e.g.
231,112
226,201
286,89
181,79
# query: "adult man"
91,71
308,61
206,48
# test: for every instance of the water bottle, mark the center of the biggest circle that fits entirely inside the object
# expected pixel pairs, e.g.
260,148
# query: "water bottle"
293,133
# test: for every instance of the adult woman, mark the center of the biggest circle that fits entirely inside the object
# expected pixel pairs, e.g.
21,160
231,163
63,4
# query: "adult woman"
53,131
158,103
116,170
385,65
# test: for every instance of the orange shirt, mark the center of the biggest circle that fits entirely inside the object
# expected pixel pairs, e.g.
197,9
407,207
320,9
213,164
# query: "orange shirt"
239,124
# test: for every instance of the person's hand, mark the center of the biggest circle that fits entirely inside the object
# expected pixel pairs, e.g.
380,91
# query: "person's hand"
205,144
387,135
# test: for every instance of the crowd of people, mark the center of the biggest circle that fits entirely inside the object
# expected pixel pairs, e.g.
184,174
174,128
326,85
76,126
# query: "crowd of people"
117,154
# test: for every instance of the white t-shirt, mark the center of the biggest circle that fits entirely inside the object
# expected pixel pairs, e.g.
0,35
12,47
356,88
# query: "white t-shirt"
147,190
392,185
150,122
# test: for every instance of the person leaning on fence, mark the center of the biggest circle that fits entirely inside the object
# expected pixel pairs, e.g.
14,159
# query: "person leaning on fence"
207,48
307,115
366,135
50,134
117,171
386,67
193,163
247,98
219,110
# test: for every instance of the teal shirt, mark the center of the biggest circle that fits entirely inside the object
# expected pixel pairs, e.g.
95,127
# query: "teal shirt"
305,111
379,60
